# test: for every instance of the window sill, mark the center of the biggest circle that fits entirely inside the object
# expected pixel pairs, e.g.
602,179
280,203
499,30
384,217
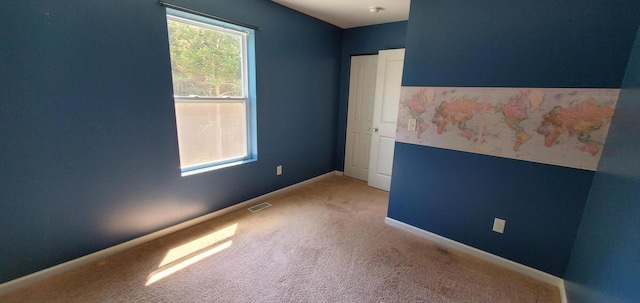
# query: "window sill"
216,167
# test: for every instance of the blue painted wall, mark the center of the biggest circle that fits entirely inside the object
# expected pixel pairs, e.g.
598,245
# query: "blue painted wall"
506,44
365,40
605,264
89,147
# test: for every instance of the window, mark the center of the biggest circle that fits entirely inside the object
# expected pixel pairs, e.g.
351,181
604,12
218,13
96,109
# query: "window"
214,104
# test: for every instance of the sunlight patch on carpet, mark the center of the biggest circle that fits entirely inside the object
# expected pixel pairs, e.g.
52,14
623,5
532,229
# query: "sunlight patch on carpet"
201,243
166,271
183,256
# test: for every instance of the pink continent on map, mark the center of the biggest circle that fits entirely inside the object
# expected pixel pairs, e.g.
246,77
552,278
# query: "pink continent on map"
457,113
515,111
416,108
516,107
578,119
416,104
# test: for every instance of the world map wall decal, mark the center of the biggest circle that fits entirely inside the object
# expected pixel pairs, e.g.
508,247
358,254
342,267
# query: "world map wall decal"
558,126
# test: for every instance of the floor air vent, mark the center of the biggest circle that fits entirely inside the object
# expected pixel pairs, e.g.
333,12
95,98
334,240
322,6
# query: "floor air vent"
259,207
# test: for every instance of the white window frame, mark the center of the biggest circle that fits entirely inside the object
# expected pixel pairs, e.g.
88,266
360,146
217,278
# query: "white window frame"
247,100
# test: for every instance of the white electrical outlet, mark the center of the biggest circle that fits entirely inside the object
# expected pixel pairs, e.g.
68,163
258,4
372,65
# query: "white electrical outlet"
279,170
412,125
498,225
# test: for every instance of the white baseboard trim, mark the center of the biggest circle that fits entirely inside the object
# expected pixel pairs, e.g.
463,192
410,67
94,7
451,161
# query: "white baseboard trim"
523,269
339,173
563,292
101,254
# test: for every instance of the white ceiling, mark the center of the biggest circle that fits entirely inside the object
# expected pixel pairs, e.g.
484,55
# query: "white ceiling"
351,13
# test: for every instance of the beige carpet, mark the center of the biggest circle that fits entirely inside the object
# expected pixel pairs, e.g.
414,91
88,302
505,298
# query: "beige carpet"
325,242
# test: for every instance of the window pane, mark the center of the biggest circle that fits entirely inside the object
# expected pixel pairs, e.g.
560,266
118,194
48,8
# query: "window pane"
210,132
204,61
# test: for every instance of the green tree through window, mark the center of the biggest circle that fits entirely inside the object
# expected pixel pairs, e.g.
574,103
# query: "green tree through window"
205,62
210,84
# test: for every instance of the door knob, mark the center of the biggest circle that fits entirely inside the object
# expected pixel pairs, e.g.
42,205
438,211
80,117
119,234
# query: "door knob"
375,129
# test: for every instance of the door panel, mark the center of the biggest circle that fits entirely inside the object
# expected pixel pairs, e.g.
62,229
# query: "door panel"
362,83
385,116
385,151
392,85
